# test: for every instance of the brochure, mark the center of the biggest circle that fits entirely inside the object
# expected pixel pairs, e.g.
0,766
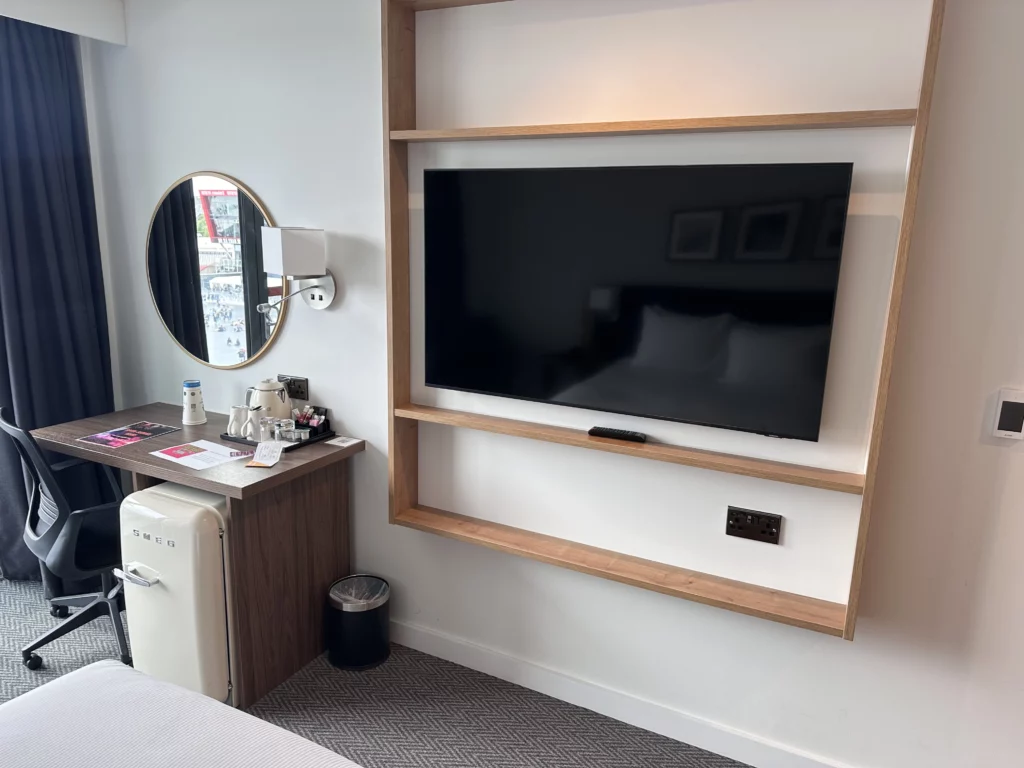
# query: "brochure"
202,454
133,433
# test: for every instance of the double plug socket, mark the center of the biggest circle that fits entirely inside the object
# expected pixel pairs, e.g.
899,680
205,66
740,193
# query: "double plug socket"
754,525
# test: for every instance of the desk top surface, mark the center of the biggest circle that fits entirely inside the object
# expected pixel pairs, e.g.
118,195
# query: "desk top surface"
233,479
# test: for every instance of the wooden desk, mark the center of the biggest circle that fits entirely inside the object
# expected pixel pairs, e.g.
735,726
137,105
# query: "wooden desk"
288,534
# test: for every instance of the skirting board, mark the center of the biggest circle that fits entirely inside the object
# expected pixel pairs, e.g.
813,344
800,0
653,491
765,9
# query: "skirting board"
673,723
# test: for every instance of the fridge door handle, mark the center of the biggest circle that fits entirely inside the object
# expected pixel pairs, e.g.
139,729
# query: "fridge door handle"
131,575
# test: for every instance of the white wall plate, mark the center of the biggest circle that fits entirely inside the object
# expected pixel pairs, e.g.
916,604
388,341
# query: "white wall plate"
1009,421
323,296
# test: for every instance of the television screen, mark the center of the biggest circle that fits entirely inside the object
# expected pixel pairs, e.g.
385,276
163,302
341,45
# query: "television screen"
700,294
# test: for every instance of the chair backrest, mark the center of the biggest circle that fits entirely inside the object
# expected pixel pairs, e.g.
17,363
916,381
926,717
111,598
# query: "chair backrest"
48,508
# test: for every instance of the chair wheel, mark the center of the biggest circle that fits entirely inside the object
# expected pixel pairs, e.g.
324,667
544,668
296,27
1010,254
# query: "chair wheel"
127,660
59,611
32,661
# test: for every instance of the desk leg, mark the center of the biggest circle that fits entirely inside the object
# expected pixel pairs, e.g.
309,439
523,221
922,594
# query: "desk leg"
286,546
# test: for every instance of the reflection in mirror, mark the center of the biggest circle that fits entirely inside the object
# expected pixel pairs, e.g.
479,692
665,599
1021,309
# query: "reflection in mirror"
205,265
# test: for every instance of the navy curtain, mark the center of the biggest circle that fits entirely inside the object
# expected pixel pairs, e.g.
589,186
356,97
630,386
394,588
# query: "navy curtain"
54,348
174,269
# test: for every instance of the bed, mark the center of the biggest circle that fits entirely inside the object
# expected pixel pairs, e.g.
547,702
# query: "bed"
107,715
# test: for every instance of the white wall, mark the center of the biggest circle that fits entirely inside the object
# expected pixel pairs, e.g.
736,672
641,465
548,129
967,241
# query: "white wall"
934,677
594,60
98,19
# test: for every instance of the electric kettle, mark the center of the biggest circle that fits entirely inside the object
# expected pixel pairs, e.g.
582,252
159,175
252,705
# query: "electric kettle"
272,396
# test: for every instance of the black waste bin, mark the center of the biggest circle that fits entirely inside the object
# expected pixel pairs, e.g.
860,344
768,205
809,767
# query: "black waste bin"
357,622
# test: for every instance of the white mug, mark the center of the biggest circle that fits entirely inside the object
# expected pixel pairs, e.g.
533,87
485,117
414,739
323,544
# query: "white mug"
251,428
239,415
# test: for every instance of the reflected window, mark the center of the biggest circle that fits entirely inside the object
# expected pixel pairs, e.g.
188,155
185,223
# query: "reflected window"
206,270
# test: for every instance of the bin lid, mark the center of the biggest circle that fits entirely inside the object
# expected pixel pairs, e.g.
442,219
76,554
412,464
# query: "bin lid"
359,593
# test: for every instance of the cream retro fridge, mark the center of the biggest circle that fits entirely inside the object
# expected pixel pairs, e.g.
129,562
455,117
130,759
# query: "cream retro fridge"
174,550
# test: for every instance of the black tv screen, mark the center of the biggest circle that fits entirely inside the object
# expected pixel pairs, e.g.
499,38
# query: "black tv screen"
701,294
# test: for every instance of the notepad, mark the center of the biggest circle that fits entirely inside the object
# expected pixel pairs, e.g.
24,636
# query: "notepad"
267,454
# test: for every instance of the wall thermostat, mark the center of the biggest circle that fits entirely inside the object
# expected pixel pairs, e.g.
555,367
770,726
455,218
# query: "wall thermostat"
1010,414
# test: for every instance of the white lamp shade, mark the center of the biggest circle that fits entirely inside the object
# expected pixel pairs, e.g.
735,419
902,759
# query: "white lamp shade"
294,252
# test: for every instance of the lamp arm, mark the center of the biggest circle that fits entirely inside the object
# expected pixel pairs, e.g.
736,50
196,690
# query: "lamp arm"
265,308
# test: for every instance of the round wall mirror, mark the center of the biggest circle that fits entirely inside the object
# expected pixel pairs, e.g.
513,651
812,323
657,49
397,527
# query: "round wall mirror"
205,266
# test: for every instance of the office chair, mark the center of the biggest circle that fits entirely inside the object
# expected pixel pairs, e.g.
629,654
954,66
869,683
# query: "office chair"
73,544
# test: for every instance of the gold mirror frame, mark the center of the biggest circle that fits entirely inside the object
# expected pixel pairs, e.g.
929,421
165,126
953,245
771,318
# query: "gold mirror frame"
283,309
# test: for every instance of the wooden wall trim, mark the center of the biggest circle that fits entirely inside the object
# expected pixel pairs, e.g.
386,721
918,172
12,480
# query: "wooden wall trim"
880,118
398,27
794,474
895,304
751,599
434,5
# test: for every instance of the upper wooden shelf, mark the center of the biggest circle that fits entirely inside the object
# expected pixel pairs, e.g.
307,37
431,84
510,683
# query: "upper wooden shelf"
433,5
751,599
808,121
795,474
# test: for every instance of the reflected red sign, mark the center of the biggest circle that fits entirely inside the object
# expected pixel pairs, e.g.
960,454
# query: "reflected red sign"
220,210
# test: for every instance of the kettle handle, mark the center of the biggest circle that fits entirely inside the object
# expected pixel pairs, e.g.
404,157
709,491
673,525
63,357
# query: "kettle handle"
248,395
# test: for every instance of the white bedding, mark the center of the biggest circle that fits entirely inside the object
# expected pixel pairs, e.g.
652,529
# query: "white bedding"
107,715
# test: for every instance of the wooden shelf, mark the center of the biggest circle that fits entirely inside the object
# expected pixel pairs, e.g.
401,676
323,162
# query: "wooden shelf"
398,28
795,474
753,600
433,5
815,120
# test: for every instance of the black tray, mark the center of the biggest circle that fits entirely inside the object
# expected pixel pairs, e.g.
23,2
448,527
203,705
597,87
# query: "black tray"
288,446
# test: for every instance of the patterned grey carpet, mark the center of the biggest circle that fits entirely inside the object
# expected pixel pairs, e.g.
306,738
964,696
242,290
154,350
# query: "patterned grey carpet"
414,711
23,617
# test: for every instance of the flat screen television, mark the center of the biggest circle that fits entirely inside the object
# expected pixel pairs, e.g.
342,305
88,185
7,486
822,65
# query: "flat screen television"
701,294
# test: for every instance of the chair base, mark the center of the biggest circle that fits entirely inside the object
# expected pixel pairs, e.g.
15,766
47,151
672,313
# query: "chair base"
108,602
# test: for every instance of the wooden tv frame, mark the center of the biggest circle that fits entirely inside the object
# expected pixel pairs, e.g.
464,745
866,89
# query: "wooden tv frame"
398,27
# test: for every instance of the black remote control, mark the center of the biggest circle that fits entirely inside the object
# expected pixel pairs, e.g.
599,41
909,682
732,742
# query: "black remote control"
618,434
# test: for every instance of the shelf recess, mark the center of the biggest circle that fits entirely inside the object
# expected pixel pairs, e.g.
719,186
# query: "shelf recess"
795,474
809,121
785,607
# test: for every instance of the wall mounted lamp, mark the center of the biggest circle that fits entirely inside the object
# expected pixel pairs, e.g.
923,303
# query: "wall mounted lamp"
300,255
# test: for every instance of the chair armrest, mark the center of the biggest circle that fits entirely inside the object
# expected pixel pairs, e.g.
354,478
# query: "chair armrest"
113,506
60,466
63,556
115,486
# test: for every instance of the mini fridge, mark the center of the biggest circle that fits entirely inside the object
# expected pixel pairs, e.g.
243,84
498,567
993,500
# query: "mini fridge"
174,548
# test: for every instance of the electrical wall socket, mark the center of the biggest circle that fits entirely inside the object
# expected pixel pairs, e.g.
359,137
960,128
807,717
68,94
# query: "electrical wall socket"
754,525
298,388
